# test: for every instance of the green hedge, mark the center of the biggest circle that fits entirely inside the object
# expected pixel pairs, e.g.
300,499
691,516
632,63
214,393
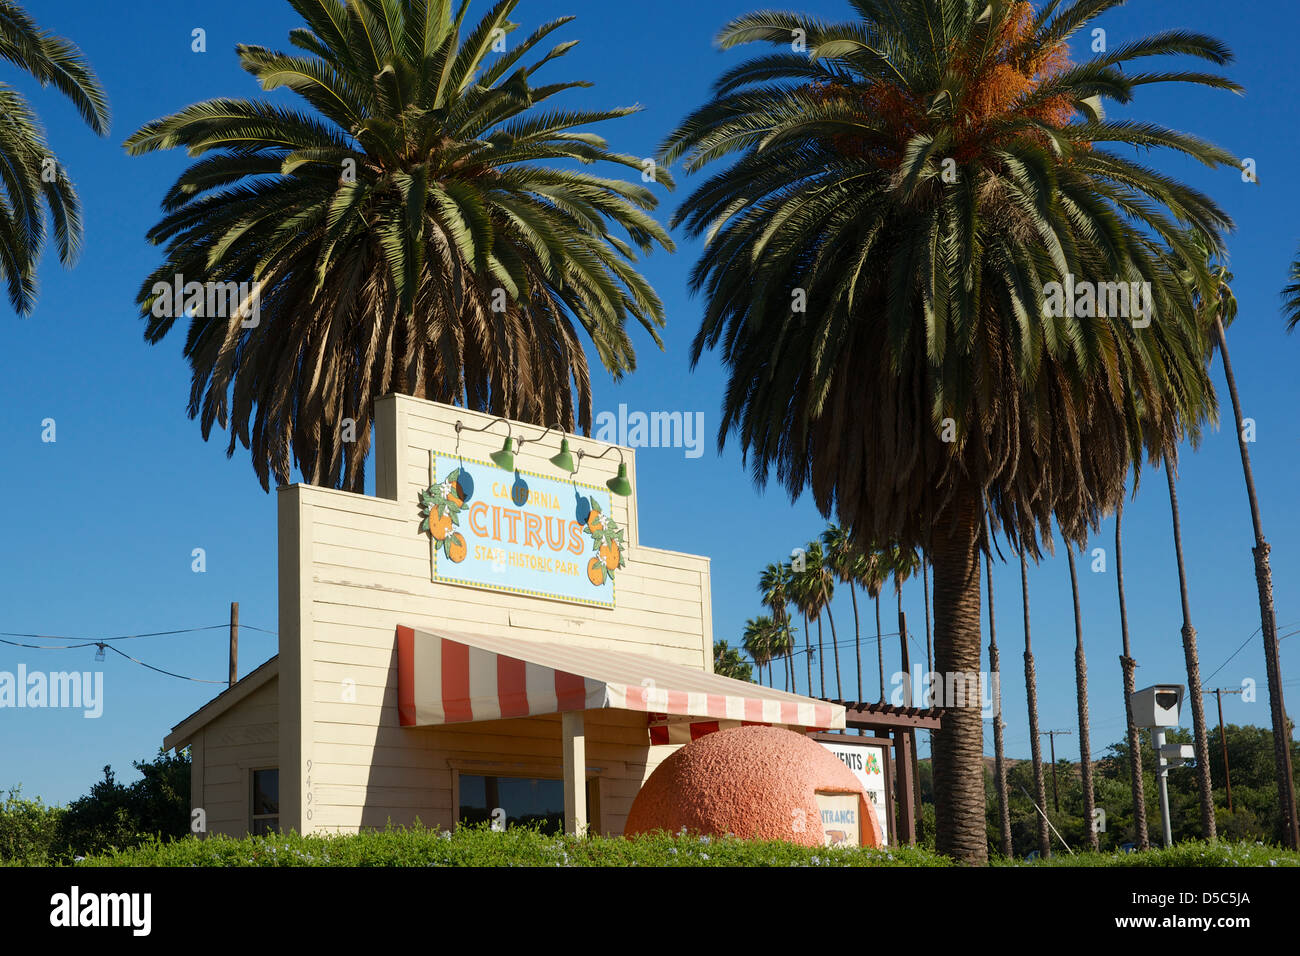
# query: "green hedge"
521,847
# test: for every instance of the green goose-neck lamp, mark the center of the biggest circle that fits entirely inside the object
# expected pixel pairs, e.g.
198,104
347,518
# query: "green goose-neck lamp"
619,484
503,459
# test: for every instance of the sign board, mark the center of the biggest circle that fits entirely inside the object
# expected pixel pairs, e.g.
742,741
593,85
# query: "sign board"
867,762
840,820
521,532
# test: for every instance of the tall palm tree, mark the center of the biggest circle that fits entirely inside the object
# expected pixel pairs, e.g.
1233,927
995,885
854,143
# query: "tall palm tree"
774,584
999,760
925,591
1128,664
816,586
803,599
414,226
1221,308
34,180
1035,743
781,643
896,205
1081,689
757,642
875,570
847,562
1192,659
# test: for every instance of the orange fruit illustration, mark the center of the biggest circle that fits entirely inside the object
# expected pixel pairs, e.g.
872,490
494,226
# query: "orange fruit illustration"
456,547
594,520
596,572
609,552
439,524
455,501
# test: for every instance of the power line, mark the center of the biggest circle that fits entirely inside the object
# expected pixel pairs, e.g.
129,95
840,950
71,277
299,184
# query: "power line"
103,644
127,637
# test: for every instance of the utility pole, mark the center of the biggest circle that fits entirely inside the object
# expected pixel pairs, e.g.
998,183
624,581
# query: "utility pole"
1223,741
1051,742
234,642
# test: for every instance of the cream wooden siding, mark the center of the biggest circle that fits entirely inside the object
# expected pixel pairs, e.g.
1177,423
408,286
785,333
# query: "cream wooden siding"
353,567
226,751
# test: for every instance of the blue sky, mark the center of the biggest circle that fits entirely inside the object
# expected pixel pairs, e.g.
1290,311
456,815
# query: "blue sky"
98,527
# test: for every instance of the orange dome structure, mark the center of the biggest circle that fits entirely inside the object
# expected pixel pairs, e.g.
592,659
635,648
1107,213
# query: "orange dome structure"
755,782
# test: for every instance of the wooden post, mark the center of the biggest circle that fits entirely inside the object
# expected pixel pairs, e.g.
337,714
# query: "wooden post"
234,642
906,786
1223,743
911,735
574,745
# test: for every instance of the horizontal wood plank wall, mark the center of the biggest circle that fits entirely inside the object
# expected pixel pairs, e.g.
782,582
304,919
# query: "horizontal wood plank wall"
244,738
367,568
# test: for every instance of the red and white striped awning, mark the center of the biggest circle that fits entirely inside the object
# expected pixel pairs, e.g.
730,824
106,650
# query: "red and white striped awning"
446,677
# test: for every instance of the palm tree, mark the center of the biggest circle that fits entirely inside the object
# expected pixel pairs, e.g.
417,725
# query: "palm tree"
847,563
774,583
889,244
1192,659
816,585
874,570
757,642
1081,689
1128,664
1035,743
1221,308
804,600
999,762
781,643
415,227
32,174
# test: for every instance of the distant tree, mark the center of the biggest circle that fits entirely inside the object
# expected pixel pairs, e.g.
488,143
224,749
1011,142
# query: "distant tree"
727,662
114,815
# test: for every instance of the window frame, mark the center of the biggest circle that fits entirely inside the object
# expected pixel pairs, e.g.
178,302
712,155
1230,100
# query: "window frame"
253,816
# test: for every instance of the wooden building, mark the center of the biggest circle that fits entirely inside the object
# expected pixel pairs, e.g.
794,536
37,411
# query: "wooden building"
449,652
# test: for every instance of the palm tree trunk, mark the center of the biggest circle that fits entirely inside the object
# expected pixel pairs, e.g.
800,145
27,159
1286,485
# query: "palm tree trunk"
958,747
1268,621
1128,664
857,637
925,586
880,650
835,647
807,643
1035,745
821,657
1193,673
1081,685
999,765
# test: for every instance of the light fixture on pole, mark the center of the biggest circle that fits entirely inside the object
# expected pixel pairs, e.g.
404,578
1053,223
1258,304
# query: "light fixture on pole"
99,652
503,459
563,459
619,484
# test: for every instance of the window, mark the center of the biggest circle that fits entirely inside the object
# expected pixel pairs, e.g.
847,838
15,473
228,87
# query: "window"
524,801
265,802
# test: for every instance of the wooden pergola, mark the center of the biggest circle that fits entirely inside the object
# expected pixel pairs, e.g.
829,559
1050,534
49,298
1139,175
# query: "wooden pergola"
886,724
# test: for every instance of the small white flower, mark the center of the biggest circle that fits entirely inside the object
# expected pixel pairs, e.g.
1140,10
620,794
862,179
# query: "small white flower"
446,488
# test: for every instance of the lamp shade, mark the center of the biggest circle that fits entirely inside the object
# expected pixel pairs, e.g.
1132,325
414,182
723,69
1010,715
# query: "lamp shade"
563,459
619,484
505,458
